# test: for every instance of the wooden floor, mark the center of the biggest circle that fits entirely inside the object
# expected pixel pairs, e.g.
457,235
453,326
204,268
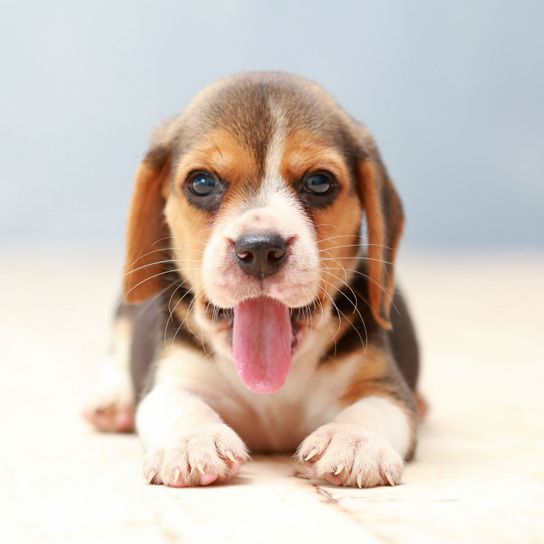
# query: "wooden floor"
478,475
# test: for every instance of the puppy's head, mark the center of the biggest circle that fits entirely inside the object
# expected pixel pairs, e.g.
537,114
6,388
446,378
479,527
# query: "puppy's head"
256,193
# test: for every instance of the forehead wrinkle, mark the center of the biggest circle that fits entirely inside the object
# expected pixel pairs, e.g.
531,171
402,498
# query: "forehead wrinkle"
244,111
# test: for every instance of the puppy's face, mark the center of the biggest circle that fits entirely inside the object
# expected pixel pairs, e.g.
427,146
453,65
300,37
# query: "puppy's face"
277,226
263,194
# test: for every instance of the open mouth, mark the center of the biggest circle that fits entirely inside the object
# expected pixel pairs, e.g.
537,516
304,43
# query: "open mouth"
299,316
264,334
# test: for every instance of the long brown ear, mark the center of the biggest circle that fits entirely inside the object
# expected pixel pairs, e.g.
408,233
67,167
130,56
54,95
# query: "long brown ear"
147,232
385,222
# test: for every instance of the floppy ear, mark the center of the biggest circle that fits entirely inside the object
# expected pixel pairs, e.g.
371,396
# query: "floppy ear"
147,237
385,222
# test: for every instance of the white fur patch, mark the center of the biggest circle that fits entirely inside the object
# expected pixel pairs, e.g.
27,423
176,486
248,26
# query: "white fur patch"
186,441
276,145
166,411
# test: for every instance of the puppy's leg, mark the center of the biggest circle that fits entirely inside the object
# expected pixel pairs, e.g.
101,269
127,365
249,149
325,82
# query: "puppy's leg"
111,408
186,441
367,443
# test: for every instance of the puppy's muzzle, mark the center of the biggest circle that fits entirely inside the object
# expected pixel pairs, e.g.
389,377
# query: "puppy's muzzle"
260,254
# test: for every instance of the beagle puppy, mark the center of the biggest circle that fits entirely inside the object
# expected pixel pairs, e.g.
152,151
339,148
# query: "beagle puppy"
260,311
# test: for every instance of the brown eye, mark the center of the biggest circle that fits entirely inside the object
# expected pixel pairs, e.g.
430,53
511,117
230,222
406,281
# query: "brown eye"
205,190
318,189
318,183
204,184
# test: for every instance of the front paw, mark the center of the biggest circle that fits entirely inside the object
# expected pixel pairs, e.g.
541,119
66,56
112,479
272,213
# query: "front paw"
202,455
348,454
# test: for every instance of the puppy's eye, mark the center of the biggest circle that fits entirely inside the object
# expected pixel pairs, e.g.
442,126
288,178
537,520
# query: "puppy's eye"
203,184
205,190
318,183
318,189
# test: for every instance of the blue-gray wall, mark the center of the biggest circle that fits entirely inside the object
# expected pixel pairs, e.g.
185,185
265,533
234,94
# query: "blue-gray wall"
454,92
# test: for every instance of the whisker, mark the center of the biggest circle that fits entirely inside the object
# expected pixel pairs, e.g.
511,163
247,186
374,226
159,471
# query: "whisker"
155,263
161,250
363,275
356,309
361,257
147,279
352,235
338,312
185,320
173,310
371,279
147,302
350,245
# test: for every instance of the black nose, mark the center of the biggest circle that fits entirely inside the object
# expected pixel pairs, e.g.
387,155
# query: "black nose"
260,254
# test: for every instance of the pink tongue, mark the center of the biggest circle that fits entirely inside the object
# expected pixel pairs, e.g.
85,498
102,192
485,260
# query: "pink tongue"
261,343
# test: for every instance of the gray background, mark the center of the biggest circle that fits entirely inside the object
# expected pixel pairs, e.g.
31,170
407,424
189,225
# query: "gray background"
453,91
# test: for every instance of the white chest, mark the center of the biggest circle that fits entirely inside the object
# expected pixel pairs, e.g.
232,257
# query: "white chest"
278,422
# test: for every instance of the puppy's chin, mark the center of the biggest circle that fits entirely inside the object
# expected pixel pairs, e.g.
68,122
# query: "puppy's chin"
261,335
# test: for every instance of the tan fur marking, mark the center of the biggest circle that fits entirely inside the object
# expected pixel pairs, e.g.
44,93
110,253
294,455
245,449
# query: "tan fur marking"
220,153
376,234
305,152
146,234
373,368
384,232
338,224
